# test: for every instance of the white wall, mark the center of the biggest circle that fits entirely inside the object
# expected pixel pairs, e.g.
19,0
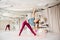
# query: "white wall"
14,23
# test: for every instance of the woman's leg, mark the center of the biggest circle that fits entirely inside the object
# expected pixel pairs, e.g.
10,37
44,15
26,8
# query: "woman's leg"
23,25
28,25
6,28
9,28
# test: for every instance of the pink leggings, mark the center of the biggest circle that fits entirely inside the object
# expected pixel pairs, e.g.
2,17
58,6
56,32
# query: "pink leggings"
7,27
28,25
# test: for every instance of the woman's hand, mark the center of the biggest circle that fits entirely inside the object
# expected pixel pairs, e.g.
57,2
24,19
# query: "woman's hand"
36,21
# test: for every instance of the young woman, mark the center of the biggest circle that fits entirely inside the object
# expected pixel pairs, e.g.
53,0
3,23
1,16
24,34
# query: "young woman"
7,26
27,22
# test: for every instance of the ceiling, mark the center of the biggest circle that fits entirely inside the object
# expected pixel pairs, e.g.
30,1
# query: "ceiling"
22,5
12,7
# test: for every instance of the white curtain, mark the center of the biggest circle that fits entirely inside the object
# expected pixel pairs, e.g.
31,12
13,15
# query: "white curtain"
54,18
59,17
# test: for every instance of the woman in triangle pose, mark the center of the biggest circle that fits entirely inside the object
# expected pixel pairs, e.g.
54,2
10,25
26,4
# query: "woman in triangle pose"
7,26
28,22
